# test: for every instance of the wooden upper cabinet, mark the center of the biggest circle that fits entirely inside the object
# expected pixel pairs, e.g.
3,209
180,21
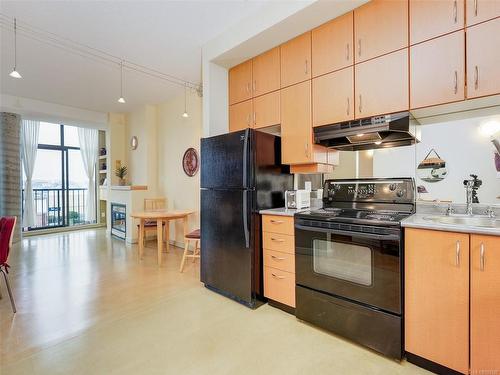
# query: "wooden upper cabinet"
296,127
483,59
266,110
296,60
380,27
240,116
437,297
333,97
240,82
381,85
266,72
481,10
437,71
332,45
485,303
431,18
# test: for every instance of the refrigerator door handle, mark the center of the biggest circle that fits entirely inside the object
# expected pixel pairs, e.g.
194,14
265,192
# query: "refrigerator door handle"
245,158
245,219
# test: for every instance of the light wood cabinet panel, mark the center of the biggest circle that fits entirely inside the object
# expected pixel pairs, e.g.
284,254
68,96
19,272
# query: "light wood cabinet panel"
481,10
240,82
380,27
485,303
266,72
381,85
431,18
332,45
296,60
240,116
278,224
483,59
279,260
332,96
437,297
296,124
267,110
279,286
437,71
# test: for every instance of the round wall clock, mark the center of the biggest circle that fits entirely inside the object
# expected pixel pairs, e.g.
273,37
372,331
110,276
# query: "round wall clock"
134,142
190,162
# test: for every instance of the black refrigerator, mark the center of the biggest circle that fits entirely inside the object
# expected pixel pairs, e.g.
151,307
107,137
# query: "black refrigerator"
241,173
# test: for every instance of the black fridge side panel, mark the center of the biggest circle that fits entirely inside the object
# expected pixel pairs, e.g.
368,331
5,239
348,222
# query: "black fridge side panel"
226,161
228,243
271,177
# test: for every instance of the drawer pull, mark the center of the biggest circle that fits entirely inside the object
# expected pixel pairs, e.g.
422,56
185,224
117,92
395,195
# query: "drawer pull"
481,257
457,254
455,87
347,52
476,77
277,239
277,258
276,221
455,11
475,8
277,276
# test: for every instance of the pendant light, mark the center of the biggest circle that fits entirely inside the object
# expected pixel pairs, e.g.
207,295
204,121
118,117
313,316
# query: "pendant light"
121,99
185,114
15,73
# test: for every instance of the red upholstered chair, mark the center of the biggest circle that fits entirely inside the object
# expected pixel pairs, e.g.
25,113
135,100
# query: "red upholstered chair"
7,225
193,236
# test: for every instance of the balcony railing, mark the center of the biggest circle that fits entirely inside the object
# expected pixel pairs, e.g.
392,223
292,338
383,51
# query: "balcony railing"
49,208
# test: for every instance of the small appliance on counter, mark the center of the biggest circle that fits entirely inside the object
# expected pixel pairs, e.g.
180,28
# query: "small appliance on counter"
348,261
297,199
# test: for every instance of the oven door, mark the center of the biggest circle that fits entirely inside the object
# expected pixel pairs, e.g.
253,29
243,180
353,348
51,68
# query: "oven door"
357,266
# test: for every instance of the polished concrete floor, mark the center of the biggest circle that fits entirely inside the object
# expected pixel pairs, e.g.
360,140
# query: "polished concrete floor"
86,305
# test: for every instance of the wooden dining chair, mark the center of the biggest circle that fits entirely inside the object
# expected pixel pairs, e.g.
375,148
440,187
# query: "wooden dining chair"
195,237
153,204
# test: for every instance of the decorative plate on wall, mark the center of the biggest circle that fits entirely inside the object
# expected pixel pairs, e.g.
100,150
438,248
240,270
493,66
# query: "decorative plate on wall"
190,162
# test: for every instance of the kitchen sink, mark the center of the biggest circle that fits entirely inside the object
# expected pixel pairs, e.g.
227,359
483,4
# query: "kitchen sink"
473,221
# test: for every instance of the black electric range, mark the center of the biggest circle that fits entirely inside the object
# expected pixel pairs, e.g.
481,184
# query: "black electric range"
348,258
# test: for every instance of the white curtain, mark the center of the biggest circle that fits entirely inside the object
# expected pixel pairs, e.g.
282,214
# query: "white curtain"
88,139
29,145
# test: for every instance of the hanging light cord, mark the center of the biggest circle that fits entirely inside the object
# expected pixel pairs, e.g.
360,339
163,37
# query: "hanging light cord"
15,44
185,99
121,79
89,52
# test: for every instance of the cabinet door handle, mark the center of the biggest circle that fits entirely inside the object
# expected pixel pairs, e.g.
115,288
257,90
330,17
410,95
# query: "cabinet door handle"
255,118
475,8
455,15
348,107
277,258
306,68
248,119
276,221
347,52
277,239
481,257
455,88
359,47
476,77
248,87
457,254
254,86
360,107
277,277
306,149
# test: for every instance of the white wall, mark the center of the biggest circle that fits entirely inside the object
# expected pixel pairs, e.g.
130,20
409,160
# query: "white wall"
463,148
175,135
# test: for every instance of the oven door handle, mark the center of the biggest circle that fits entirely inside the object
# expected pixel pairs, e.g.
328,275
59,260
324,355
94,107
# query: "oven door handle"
349,233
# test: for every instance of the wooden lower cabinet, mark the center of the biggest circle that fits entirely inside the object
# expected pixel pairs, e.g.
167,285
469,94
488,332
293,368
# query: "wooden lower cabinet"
485,304
279,258
437,297
240,116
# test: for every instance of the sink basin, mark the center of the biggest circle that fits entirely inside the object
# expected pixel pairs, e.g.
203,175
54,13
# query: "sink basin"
484,222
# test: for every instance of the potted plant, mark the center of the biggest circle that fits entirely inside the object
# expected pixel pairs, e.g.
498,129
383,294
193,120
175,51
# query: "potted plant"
121,172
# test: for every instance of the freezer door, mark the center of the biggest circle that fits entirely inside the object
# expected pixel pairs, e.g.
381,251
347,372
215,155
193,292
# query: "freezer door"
227,243
226,161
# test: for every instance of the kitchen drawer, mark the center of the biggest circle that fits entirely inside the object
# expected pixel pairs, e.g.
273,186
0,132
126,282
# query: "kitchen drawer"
278,242
279,286
278,224
279,260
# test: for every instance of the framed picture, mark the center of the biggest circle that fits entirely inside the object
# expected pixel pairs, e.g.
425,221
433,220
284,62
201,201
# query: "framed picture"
190,162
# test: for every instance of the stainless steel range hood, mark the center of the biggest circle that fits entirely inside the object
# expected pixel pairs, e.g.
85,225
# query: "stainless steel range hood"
394,130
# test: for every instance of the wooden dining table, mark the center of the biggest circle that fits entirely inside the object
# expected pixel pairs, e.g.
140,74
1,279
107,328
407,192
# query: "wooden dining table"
161,217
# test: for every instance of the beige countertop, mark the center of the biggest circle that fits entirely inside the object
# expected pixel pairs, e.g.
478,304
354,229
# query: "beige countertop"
282,211
418,221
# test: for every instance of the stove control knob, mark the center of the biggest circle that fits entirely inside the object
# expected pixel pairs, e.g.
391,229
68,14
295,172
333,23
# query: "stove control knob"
392,187
400,193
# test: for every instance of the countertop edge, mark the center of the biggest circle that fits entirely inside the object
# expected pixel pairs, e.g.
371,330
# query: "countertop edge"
281,211
416,221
